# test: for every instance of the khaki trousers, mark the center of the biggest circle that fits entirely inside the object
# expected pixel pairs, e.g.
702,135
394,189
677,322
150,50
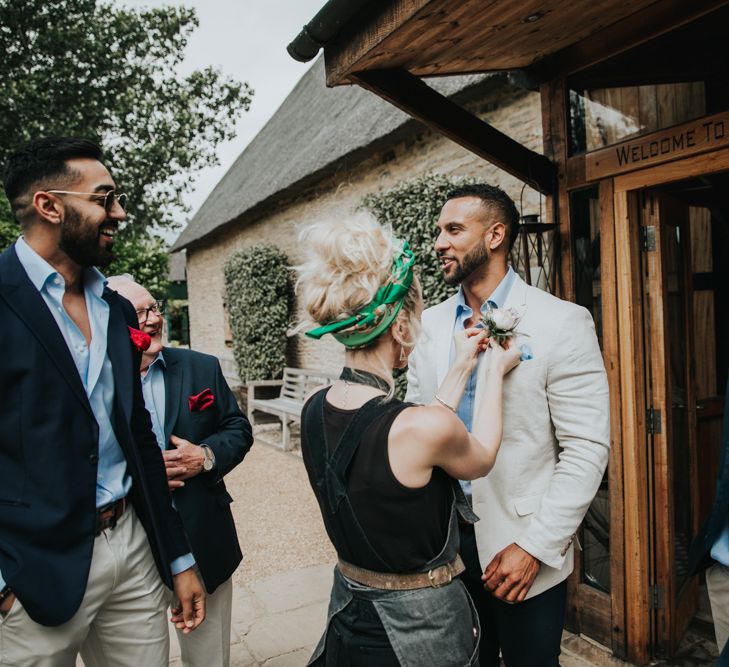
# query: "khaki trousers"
209,645
717,584
121,621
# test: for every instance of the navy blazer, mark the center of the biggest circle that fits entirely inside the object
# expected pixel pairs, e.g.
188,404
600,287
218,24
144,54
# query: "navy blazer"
699,554
49,452
204,503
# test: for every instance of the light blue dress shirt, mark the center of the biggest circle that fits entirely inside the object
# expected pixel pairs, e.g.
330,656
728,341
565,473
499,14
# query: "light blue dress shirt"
463,313
153,388
94,367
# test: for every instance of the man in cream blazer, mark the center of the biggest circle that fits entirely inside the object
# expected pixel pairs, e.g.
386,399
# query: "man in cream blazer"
555,445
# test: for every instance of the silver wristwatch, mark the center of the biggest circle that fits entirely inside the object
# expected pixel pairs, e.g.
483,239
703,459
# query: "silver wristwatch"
209,462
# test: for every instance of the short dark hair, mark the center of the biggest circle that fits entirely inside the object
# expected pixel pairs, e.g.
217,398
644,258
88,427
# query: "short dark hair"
41,160
492,196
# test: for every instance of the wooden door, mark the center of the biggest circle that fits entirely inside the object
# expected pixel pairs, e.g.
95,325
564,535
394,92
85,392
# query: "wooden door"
671,414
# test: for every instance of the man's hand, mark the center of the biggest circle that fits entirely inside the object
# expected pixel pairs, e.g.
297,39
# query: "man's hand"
7,604
188,607
510,574
183,462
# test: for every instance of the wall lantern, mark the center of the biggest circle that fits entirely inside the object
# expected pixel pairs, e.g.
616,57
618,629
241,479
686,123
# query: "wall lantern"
534,254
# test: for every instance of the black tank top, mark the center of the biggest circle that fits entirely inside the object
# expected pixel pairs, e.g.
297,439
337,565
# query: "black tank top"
407,527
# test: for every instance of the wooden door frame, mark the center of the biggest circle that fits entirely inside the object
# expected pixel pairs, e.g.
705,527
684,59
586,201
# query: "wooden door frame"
632,390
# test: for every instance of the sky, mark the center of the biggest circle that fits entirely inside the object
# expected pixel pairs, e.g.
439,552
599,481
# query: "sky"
245,39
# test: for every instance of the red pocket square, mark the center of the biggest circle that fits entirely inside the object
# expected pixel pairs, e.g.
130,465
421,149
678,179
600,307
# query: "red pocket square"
140,340
201,401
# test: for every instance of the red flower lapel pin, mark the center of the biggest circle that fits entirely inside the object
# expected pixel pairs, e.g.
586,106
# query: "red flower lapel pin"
140,340
201,401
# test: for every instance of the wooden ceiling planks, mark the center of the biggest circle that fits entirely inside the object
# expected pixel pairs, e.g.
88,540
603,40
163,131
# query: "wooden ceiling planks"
441,37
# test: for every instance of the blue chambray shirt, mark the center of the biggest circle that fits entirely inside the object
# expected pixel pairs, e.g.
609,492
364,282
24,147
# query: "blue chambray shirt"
94,367
463,313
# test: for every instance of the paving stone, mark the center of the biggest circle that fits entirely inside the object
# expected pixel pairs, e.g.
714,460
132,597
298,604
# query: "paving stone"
287,631
291,590
294,659
246,609
240,656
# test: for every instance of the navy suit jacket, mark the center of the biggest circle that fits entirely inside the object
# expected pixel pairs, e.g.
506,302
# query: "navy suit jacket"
699,555
49,452
204,502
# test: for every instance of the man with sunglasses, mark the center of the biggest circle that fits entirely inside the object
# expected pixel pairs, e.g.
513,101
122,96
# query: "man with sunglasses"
203,435
88,533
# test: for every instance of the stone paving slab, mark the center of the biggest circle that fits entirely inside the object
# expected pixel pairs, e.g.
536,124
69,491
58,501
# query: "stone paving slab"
291,590
287,631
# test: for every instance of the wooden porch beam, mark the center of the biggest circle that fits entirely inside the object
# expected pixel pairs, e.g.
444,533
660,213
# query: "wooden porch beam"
416,98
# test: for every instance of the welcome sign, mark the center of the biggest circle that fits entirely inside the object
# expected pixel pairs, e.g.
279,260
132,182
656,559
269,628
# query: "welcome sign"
698,136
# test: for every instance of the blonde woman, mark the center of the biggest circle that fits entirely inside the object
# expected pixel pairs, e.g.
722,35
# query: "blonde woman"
382,470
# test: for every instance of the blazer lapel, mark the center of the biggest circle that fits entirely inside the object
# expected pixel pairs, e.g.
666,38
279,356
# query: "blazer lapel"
27,303
118,348
517,296
173,389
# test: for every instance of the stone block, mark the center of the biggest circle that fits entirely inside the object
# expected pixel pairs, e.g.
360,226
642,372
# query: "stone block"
288,631
291,590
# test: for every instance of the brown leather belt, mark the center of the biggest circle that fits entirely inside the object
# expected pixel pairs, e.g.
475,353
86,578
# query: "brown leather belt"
107,516
440,576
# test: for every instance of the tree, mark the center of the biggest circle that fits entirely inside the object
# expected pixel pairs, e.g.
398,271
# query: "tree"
93,69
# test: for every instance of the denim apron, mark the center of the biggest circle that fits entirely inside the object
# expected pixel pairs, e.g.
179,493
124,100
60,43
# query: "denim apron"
426,626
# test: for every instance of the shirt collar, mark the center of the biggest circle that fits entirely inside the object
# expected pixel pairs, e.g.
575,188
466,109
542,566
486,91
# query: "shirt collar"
498,296
159,361
40,271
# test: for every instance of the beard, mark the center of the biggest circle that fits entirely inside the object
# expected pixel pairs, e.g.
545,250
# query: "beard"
475,258
80,241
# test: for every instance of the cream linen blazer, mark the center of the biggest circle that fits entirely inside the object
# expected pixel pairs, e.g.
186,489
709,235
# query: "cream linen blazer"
556,439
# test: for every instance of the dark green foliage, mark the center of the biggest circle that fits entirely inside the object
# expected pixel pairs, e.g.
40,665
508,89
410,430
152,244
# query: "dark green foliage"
98,70
412,208
9,229
260,299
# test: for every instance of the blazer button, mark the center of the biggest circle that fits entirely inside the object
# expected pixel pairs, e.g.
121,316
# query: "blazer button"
93,459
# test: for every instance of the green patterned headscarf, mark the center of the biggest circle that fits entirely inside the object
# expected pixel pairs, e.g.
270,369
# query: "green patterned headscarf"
375,318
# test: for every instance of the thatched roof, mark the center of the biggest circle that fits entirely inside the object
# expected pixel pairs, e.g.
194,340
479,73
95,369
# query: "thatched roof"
311,133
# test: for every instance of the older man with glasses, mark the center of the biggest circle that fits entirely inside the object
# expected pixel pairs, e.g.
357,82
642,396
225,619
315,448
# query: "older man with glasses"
88,533
203,435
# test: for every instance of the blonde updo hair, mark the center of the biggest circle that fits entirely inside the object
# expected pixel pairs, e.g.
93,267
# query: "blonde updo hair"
345,264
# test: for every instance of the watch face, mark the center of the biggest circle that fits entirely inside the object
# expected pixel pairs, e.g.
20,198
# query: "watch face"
208,462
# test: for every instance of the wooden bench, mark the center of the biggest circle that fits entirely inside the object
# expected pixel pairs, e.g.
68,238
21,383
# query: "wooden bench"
296,385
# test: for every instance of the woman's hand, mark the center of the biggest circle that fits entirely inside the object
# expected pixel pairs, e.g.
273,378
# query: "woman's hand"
501,358
469,343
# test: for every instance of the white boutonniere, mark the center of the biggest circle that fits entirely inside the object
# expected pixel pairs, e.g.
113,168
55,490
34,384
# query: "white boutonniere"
501,323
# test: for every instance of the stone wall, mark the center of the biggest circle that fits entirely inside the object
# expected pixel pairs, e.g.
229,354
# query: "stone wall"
514,111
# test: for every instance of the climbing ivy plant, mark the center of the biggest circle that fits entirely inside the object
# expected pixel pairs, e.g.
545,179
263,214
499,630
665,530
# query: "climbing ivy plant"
260,301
